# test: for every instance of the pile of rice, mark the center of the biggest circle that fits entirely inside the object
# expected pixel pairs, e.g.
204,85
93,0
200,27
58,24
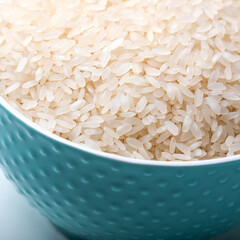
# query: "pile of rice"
145,79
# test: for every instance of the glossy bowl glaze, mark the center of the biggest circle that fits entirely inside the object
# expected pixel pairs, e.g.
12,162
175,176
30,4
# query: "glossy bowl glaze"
92,195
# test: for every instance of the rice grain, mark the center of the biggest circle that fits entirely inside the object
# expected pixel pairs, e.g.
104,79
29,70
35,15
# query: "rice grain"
144,79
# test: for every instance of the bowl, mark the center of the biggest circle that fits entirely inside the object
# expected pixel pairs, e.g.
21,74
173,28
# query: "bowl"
92,195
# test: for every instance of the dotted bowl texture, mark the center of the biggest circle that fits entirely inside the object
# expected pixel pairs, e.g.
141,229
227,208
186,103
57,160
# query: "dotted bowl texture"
91,197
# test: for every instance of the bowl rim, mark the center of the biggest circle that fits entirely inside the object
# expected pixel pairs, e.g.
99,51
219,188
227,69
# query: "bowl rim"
112,156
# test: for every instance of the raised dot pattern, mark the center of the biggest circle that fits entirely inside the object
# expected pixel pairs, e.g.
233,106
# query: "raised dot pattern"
96,198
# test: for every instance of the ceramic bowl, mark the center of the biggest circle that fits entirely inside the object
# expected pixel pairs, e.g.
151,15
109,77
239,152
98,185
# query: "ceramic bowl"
93,195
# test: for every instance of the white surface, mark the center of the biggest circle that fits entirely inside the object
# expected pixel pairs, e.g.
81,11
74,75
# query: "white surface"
19,221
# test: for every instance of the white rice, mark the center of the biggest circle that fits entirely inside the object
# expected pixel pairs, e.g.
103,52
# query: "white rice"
147,79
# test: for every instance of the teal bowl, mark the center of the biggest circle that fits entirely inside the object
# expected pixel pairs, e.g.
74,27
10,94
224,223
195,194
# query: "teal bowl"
92,195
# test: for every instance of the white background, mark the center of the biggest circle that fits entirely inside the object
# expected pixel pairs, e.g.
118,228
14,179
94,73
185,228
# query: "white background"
19,221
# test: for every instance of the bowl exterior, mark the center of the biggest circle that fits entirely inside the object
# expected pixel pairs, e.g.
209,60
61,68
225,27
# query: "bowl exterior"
91,197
